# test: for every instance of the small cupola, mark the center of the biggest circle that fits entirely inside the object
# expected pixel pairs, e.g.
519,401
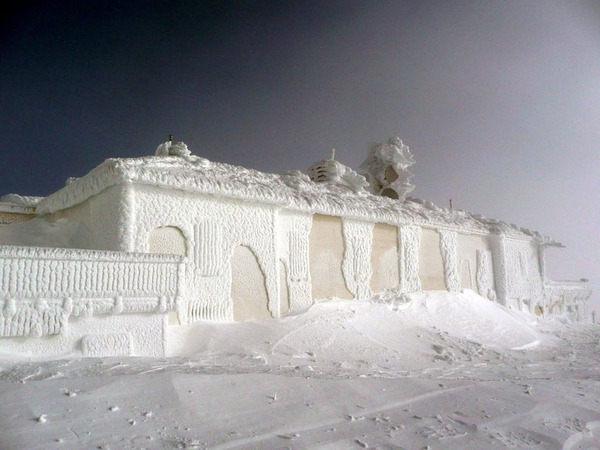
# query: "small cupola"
170,148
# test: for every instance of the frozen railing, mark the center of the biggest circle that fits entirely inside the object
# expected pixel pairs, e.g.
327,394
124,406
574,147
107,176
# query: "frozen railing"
41,287
567,296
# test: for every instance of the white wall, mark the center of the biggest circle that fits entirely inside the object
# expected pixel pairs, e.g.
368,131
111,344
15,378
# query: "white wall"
248,291
384,258
326,257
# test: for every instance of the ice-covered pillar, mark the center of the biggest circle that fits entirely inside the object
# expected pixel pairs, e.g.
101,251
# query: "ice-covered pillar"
293,234
450,259
542,262
356,265
498,244
298,278
409,242
126,218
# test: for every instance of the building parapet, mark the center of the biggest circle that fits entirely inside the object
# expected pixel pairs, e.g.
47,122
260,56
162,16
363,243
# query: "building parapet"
40,288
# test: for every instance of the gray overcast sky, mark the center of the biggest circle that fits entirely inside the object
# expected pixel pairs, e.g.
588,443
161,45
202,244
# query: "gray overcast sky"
498,100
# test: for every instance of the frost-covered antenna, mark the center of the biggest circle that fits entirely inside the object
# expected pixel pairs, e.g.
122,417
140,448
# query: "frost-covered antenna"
332,158
451,207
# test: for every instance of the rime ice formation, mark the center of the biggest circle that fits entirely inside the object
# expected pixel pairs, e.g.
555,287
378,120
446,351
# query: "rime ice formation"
139,248
20,200
333,172
169,148
386,168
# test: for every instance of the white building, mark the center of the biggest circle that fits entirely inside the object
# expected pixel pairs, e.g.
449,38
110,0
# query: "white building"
128,255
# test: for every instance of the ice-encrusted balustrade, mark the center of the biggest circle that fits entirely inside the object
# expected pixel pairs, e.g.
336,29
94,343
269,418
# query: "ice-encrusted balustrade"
41,287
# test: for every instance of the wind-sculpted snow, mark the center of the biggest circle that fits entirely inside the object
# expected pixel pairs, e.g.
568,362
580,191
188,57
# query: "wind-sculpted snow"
396,371
293,190
390,325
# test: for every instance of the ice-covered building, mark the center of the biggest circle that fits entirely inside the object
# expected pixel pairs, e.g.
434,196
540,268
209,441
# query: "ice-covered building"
124,258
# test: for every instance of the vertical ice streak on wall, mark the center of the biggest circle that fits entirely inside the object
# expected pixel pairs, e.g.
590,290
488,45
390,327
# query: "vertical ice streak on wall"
356,265
409,241
484,274
299,249
299,273
126,218
293,250
448,250
497,242
542,262
208,296
208,248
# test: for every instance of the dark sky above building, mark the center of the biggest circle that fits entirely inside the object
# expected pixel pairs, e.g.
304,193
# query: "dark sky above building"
499,101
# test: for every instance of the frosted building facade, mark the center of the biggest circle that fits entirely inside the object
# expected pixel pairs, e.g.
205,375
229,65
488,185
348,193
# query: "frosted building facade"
121,259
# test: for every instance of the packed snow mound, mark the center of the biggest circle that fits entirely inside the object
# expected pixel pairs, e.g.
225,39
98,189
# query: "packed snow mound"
373,336
469,316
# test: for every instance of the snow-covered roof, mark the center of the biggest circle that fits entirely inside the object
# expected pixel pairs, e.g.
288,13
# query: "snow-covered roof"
15,203
293,190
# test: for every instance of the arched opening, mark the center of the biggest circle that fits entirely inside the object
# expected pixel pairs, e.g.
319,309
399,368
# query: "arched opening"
389,192
169,240
390,174
248,289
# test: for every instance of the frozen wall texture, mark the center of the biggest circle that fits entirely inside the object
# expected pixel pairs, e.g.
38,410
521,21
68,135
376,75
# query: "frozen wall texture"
409,242
294,229
48,290
213,228
523,272
485,274
450,260
356,265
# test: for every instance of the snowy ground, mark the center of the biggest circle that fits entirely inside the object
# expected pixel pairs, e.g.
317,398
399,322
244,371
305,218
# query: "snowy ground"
443,370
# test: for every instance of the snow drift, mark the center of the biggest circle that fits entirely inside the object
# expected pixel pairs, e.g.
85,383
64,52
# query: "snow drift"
406,333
